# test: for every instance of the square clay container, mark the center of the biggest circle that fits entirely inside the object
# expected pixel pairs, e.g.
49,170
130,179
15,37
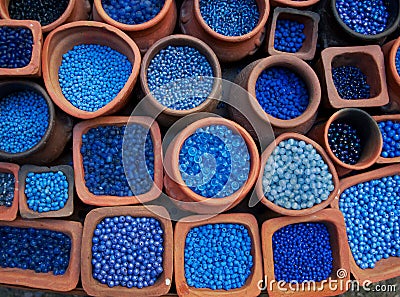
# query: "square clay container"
93,287
334,221
182,228
384,268
28,213
33,69
310,21
47,281
10,213
369,59
384,118
107,200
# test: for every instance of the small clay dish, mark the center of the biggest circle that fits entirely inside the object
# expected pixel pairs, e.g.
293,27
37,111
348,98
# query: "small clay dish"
10,213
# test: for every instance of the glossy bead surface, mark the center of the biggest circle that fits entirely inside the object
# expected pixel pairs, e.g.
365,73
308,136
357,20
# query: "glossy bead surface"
7,186
15,47
289,35
351,83
390,131
345,142
397,61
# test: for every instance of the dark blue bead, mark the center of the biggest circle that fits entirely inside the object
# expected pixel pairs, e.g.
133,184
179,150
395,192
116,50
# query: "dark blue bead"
351,83
15,47
7,186
345,142
289,36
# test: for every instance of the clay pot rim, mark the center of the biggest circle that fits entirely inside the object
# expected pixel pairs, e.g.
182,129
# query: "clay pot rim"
107,200
297,4
392,60
195,43
294,64
24,85
381,118
86,26
188,131
291,212
10,213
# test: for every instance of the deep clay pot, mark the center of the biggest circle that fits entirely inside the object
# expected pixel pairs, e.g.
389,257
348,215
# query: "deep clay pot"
383,118
10,213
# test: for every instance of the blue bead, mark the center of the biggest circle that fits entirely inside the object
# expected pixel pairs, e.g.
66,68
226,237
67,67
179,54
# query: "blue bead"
390,131
351,83
345,142
15,47
7,186
289,36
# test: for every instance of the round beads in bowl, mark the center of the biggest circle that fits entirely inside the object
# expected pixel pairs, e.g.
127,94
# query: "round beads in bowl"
390,131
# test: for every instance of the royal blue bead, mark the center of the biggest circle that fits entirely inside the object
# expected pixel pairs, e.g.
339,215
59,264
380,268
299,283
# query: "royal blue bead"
180,77
390,131
302,252
15,47
24,119
214,161
39,250
218,256
92,75
7,185
289,36
282,93
351,83
230,17
345,142
397,61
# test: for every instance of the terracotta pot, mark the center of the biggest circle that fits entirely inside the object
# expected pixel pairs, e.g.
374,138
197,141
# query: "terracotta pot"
369,59
334,221
227,48
28,213
392,76
64,38
56,137
310,21
47,281
183,227
383,118
167,116
83,192
10,213
94,288
248,79
162,25
76,10
294,3
182,195
385,268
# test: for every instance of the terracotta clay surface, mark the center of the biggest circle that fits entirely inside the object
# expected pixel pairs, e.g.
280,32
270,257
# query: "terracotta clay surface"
392,76
334,221
83,192
64,38
182,196
48,281
385,268
183,227
10,213
294,3
95,288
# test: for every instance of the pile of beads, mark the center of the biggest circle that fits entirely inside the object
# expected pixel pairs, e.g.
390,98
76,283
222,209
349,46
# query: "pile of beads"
372,214
40,250
127,251
282,93
7,185
24,119
230,17
296,176
218,256
390,131
46,191
43,11
289,36
15,47
180,77
397,61
351,83
345,142
132,12
368,17
302,252
214,161
92,75
103,160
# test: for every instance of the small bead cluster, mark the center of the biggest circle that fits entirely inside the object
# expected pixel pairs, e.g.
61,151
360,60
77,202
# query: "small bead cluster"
43,11
92,75
371,211
351,83
127,251
397,60
230,17
368,17
46,191
24,119
218,256
103,160
302,252
15,47
7,185
39,250
180,77
390,131
282,93
289,36
132,12
345,142
214,161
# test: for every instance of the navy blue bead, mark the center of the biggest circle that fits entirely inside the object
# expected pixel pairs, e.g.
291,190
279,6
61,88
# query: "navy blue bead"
397,61
15,47
351,83
7,186
345,142
289,35
390,131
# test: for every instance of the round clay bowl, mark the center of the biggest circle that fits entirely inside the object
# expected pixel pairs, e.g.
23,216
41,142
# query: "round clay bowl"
393,78
10,213
293,3
64,38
